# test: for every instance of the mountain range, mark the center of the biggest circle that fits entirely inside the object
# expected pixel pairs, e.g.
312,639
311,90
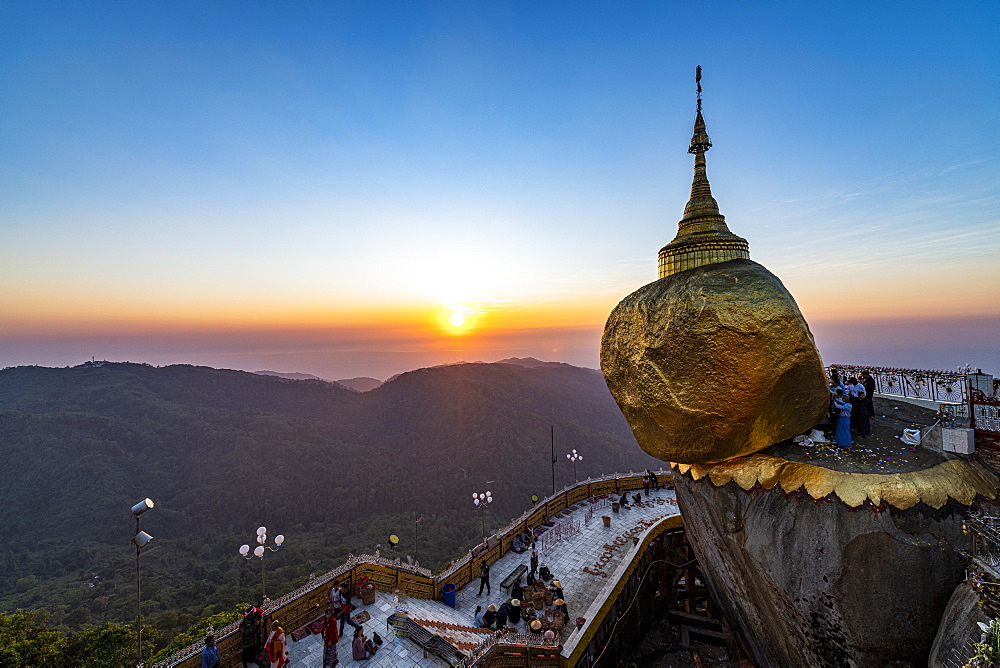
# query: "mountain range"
222,452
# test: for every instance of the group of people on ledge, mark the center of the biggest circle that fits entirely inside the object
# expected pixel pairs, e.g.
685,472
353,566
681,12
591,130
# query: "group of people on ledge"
540,602
851,406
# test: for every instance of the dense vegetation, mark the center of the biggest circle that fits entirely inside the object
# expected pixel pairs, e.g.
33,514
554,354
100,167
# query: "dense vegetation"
222,452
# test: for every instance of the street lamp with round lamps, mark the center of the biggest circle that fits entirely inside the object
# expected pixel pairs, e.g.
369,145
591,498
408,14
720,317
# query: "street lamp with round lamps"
140,540
574,458
259,553
481,501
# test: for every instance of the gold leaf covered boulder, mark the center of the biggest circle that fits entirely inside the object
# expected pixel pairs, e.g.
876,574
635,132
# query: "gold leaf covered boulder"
713,360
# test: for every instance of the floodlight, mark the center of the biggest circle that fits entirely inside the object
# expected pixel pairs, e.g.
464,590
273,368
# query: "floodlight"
258,551
261,531
244,550
141,539
278,540
141,507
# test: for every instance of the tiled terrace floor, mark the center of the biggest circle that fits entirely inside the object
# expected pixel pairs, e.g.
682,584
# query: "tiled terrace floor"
566,559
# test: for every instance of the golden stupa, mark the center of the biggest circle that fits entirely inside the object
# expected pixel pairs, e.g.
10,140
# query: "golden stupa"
714,359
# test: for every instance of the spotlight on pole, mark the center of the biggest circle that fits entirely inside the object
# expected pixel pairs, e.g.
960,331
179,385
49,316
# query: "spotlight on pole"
141,507
140,540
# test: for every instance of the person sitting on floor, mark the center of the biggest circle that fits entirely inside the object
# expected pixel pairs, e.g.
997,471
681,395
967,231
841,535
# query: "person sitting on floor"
514,611
517,591
623,502
478,618
518,545
502,614
544,573
637,499
489,617
557,589
560,605
362,648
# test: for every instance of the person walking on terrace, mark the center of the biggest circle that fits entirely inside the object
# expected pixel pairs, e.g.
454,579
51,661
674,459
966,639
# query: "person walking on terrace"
534,561
645,484
277,650
843,435
252,636
340,597
331,636
653,480
484,578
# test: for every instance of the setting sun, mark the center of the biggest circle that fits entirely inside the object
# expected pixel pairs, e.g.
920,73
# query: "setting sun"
457,319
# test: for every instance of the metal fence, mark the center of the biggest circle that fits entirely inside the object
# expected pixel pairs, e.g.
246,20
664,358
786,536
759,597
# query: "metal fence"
932,385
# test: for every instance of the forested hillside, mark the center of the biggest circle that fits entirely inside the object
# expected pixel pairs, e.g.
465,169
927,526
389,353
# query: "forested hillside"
223,452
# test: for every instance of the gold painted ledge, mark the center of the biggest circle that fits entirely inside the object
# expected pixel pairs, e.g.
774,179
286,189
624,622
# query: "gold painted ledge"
957,478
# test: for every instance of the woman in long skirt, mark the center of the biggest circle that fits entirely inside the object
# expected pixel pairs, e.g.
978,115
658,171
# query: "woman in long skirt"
843,435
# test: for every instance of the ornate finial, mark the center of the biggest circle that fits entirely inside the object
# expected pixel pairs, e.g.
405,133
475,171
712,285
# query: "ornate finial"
697,80
699,140
702,235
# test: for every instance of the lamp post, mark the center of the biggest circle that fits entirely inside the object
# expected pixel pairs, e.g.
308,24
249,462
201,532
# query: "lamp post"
416,523
574,458
481,501
552,447
140,540
259,553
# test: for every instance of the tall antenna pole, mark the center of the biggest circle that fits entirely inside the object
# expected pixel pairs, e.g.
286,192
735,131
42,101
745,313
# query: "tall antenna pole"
552,439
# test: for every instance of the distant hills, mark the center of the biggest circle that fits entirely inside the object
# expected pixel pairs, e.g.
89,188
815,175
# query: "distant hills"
222,452
359,384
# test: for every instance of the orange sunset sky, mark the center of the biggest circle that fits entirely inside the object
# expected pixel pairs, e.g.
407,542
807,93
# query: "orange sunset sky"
359,189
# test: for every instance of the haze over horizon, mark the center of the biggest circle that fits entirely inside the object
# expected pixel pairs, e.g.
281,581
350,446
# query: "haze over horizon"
359,190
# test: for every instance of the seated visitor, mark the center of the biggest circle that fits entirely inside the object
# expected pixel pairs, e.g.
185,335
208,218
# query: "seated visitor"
514,611
518,545
362,648
490,617
623,502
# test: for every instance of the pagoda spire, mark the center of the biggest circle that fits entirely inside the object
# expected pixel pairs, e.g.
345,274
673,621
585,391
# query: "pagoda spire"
702,235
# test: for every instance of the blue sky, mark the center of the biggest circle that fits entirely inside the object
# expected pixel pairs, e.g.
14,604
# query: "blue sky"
214,172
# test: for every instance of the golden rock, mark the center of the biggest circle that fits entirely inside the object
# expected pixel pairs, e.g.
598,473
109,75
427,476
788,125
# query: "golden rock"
712,363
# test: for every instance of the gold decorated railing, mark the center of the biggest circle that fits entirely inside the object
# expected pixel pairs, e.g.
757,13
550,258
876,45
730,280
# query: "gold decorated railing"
304,604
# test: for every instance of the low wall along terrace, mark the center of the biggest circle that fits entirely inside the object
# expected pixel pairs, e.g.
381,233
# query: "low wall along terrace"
308,602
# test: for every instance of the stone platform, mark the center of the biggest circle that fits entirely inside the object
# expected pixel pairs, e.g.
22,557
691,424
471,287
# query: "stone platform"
566,558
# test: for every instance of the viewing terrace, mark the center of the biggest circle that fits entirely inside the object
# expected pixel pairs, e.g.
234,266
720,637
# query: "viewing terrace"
596,561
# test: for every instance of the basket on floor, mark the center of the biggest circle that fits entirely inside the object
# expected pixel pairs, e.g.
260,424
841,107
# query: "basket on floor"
367,595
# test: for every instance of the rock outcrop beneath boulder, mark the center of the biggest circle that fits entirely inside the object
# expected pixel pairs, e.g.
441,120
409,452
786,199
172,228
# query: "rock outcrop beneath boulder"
818,583
713,363
959,628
